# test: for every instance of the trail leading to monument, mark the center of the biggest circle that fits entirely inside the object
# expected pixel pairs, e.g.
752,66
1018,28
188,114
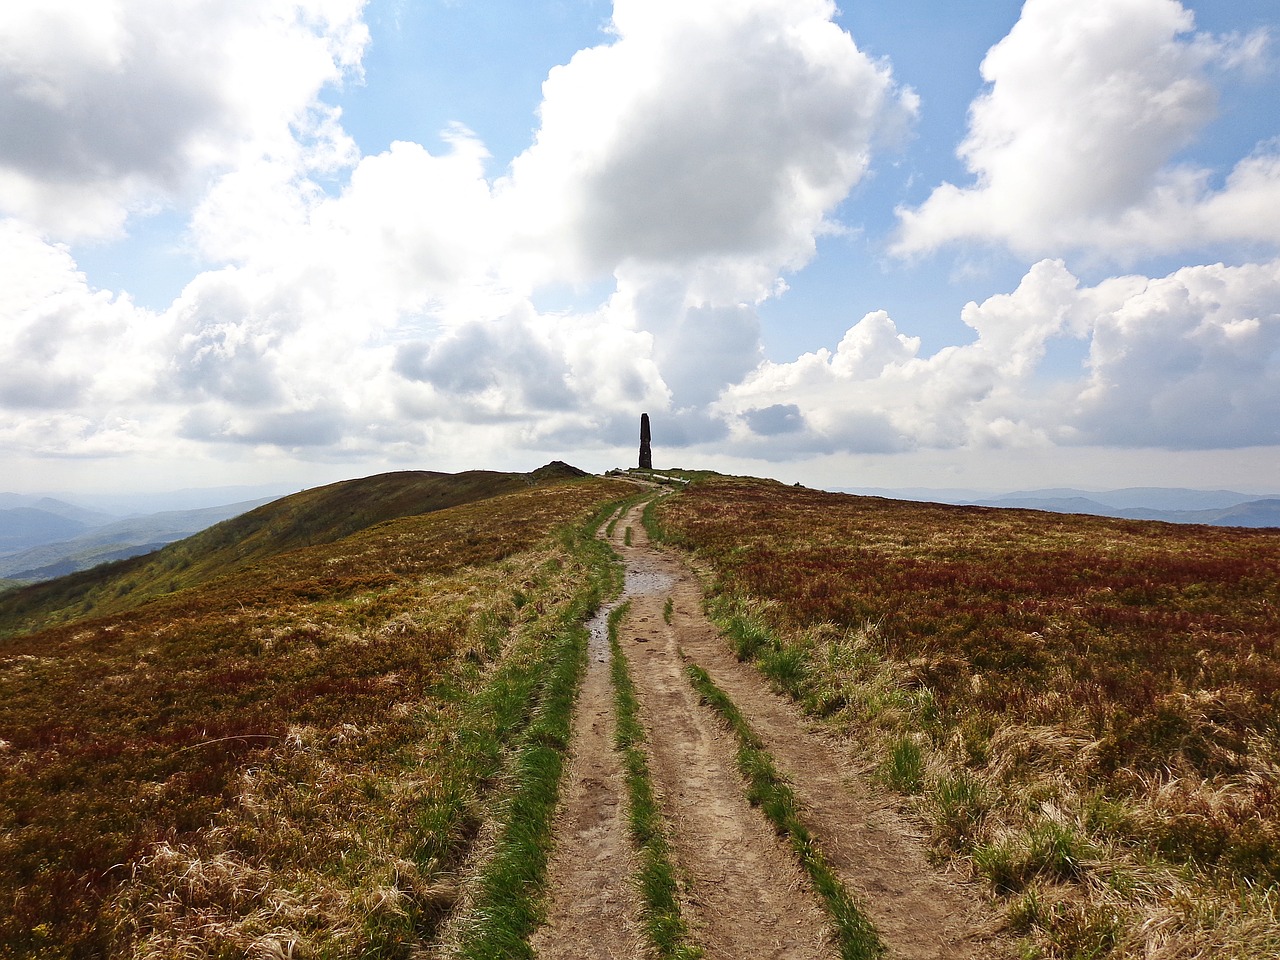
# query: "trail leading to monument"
745,895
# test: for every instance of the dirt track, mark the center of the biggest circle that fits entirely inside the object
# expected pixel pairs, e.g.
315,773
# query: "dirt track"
745,895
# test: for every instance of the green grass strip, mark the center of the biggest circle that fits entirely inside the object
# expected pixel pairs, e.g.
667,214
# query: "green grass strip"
510,891
622,509
663,923
509,895
650,521
767,789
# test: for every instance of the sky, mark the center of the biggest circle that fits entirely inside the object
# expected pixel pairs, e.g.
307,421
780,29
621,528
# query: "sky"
991,245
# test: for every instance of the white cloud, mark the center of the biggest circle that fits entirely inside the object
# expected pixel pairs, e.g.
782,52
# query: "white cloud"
1073,144
1189,361
692,160
742,123
64,344
409,229
712,137
112,106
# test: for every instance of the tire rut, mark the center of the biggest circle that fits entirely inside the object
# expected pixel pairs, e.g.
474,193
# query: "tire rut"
919,912
745,895
594,906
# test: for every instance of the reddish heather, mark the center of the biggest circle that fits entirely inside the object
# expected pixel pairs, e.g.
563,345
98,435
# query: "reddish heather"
1155,643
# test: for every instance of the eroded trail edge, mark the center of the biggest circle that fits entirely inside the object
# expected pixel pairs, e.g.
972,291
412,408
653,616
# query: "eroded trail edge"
594,907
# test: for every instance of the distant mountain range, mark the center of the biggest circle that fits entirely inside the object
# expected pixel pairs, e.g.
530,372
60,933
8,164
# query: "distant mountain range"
42,537
1169,504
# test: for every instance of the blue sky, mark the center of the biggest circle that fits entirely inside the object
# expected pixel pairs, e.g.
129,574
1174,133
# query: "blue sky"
991,245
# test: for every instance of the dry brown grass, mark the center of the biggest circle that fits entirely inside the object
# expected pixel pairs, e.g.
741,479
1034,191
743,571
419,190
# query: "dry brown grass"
291,761
1083,710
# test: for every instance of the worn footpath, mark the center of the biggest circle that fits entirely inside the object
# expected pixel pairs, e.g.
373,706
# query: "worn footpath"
745,895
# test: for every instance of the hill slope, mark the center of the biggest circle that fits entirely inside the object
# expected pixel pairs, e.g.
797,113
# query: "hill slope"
116,540
317,516
1251,513
303,741
1221,508
302,754
1082,710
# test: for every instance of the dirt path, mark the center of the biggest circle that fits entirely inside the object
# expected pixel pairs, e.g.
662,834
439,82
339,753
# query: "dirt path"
918,911
746,896
594,906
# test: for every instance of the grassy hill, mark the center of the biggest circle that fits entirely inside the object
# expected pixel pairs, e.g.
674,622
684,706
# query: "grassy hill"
1085,711
304,736
317,516
298,721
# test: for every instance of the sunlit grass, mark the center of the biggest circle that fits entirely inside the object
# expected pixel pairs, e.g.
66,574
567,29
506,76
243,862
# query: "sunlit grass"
297,757
312,517
1083,709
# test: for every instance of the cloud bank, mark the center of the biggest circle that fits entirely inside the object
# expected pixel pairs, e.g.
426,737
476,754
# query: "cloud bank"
385,307
120,105
1074,144
1191,360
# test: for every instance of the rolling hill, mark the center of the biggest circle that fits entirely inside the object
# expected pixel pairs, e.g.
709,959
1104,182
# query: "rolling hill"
109,540
25,527
1263,512
1224,508
297,732
329,648
316,516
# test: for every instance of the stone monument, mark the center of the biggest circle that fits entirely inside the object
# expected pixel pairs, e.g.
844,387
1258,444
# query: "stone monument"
646,455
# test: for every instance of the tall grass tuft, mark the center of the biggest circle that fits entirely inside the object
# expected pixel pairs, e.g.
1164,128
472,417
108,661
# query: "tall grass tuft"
903,767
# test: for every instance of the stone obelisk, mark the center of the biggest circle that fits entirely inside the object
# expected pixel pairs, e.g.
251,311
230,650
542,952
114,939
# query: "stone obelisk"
646,455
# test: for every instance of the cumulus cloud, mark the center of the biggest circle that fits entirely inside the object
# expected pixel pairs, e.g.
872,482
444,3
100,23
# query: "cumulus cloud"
1188,361
546,375
115,105
407,226
320,426
715,137
778,419
64,343
686,165
692,159
1073,144
502,368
